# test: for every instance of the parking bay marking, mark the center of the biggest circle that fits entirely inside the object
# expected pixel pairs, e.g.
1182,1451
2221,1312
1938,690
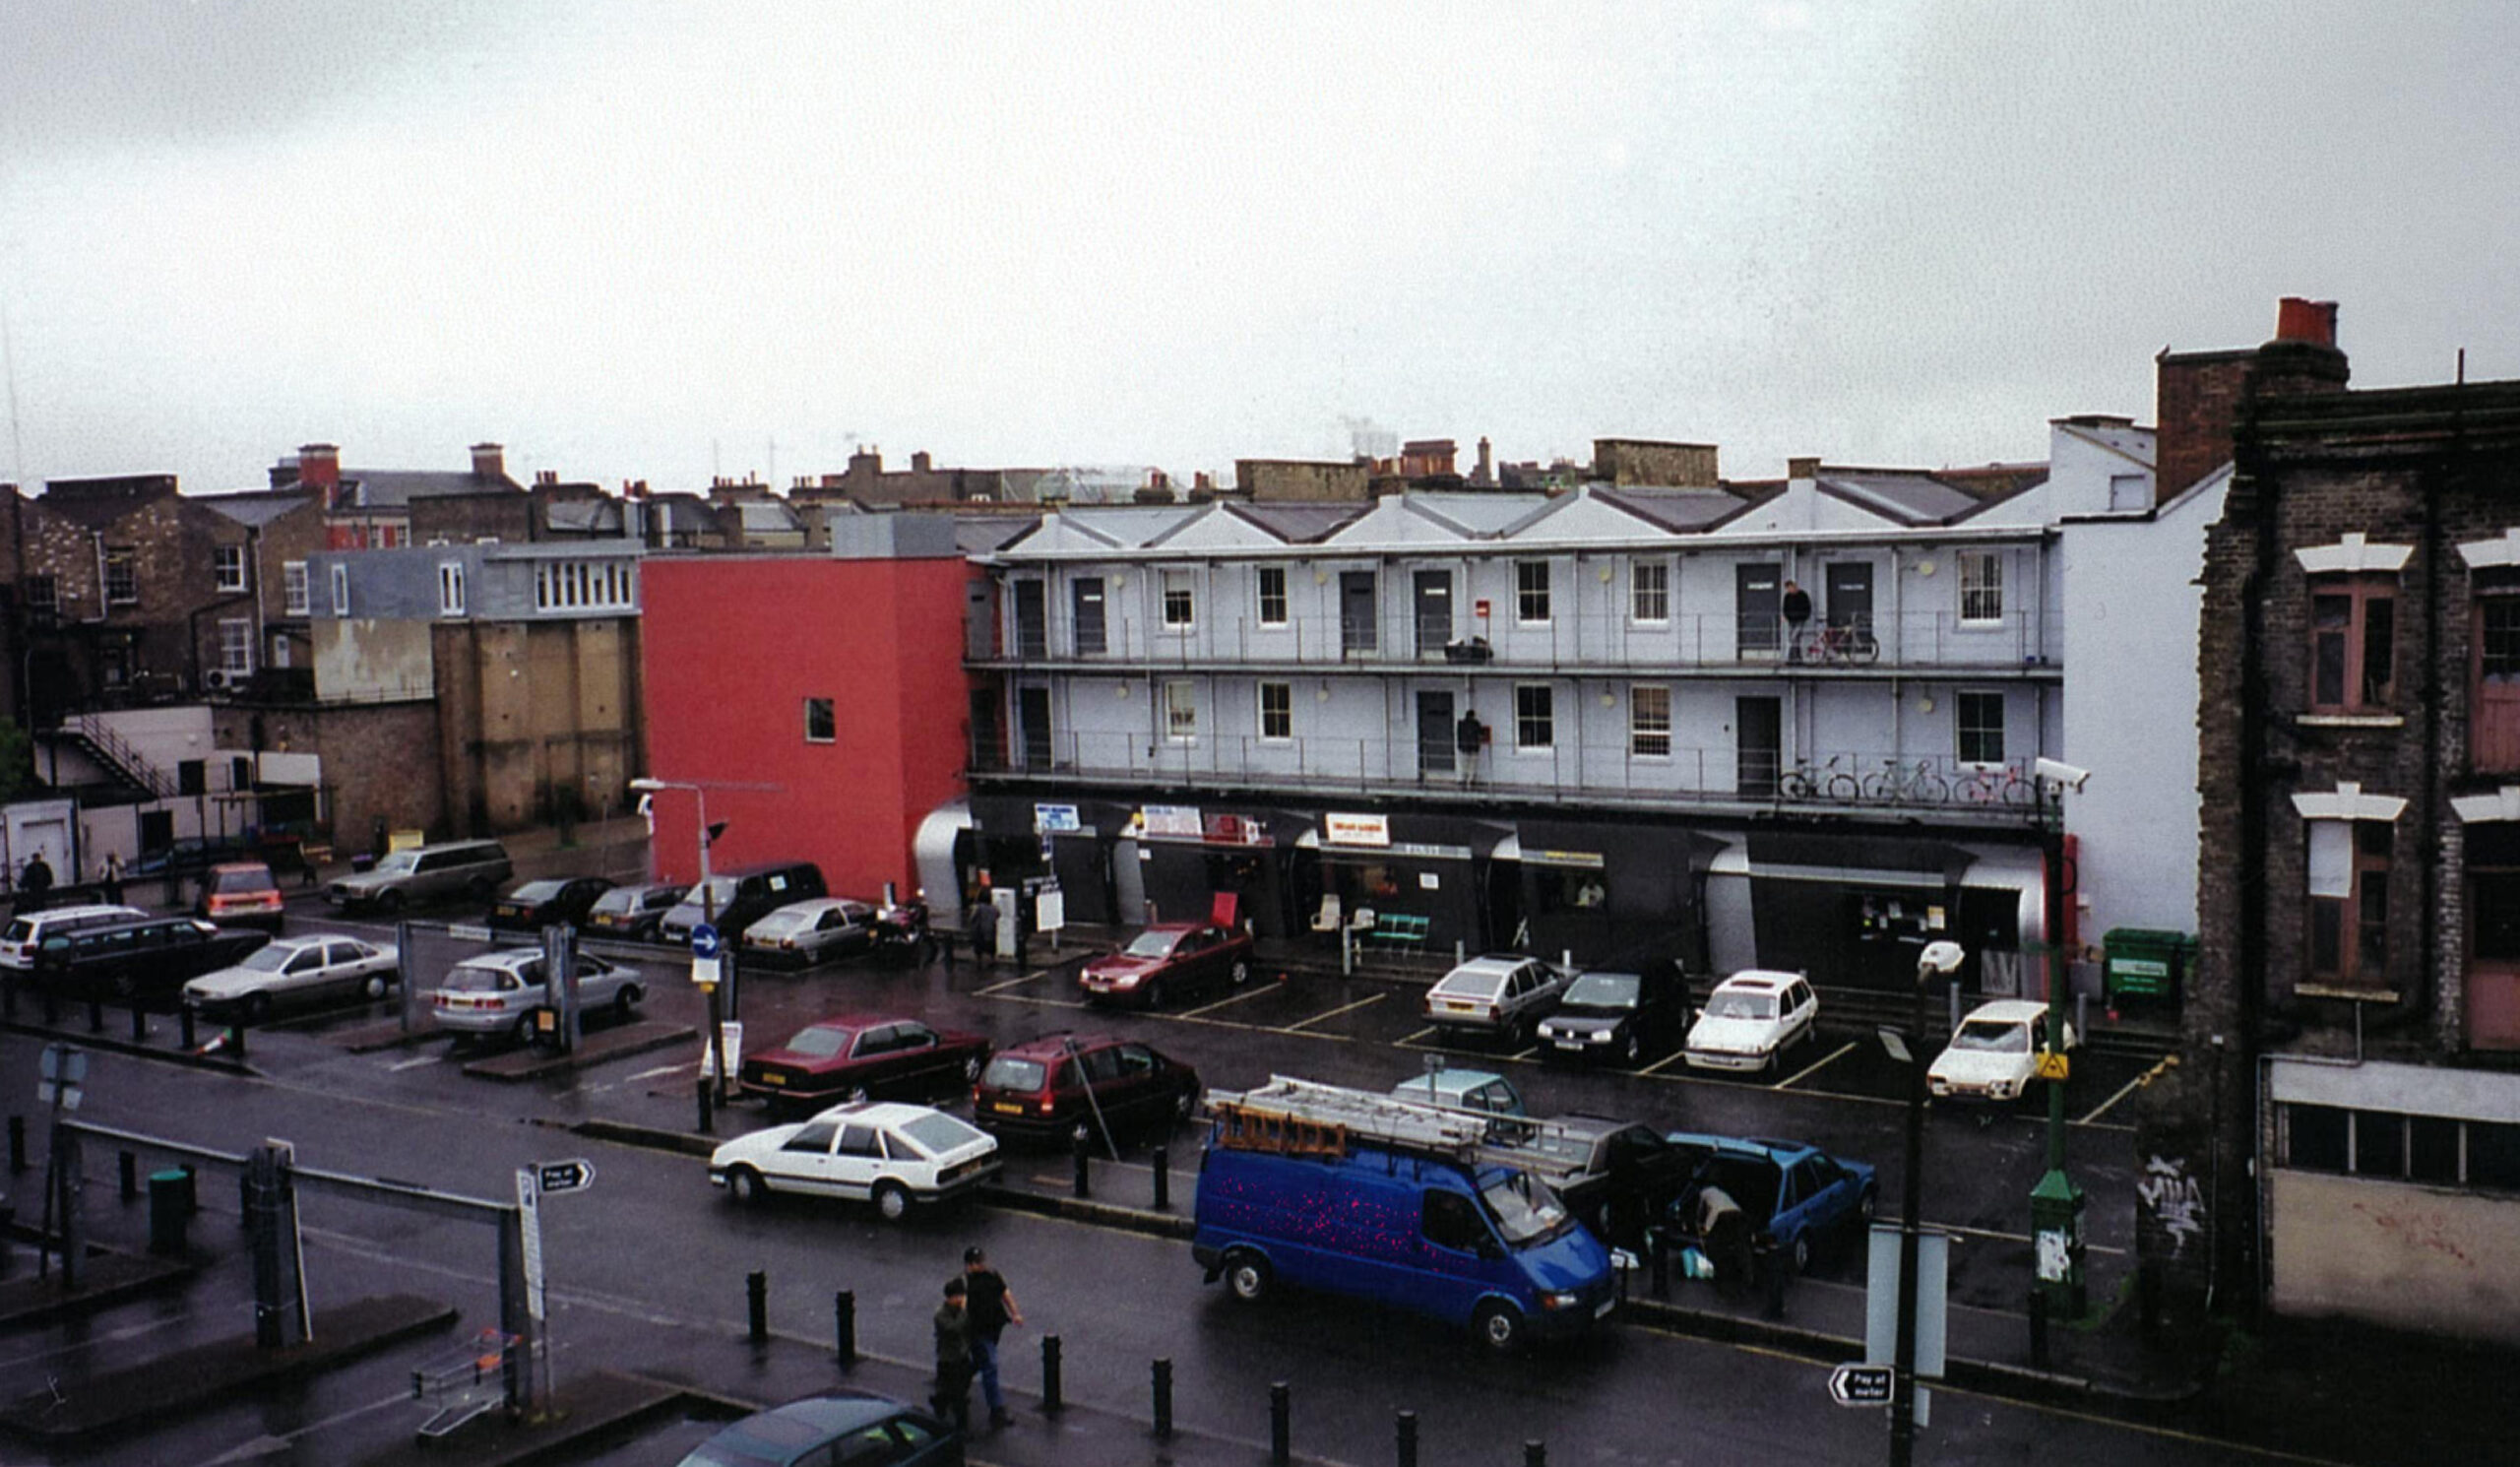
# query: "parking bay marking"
1810,1069
1298,1026
1192,1013
403,1064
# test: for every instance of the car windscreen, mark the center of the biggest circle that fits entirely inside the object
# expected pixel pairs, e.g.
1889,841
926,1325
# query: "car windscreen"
720,892
535,891
1151,944
270,958
1007,1072
398,863
937,1132
470,980
1604,991
782,920
821,1042
22,930
1739,1005
1523,1208
254,880
619,899
1993,1035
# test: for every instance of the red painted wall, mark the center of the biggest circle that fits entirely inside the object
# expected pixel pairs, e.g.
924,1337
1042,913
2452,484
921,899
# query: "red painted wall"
732,647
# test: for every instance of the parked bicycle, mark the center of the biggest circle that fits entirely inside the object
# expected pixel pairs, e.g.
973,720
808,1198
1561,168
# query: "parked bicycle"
1829,781
1905,783
1997,785
1845,643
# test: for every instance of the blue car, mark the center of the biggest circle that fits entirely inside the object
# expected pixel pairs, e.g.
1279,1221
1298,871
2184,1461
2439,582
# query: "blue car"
1794,1194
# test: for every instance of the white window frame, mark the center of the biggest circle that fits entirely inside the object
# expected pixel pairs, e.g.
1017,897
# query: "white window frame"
341,589
1261,577
449,588
1526,595
1166,582
236,646
595,585
1285,693
1546,719
122,576
293,580
1659,573
228,567
1645,723
1181,711
50,599
1980,575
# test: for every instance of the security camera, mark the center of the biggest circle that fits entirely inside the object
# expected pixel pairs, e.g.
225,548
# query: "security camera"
2068,775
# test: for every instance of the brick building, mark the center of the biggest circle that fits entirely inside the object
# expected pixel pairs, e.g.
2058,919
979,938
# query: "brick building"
2344,1135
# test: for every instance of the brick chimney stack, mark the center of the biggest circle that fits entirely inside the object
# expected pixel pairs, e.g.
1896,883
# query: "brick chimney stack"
489,462
319,467
1487,471
2196,395
1802,468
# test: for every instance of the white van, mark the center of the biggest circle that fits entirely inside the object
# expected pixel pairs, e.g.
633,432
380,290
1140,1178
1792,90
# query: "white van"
26,932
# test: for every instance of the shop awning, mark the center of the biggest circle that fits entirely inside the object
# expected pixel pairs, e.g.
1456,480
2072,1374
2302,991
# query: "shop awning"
1852,859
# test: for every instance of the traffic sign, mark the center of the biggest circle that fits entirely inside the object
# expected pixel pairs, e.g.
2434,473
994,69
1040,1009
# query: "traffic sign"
1861,1385
575,1175
2051,1065
705,941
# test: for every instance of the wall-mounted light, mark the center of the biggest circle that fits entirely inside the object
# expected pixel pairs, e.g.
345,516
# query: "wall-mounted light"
1606,575
1323,695
1606,699
1925,567
1120,689
1117,582
1924,704
1320,577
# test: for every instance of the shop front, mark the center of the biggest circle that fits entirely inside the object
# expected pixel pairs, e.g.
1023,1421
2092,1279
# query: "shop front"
1852,910
1190,855
1418,880
1625,896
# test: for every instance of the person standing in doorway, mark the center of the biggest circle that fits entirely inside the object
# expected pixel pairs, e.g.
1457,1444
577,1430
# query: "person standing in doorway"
991,1308
952,1397
113,883
35,883
1797,608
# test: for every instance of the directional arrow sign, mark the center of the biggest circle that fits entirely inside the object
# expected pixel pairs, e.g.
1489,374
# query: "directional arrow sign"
571,1176
705,941
1861,1385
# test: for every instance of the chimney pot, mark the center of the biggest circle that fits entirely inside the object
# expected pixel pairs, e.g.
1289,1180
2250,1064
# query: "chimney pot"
1802,468
2311,321
489,461
921,462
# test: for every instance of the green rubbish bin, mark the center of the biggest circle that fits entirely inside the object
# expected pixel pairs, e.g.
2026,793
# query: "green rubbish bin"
170,1209
2146,965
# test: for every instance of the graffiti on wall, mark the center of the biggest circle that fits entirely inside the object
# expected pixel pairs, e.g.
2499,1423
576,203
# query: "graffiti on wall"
2173,1205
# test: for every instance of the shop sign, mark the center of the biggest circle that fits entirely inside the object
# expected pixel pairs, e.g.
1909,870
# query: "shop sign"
1589,861
1180,821
1055,819
1236,830
1355,830
1431,853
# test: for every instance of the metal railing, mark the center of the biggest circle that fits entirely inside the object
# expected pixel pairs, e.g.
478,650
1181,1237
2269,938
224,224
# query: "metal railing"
120,753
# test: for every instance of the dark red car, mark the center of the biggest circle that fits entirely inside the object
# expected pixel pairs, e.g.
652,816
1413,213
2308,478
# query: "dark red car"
1039,1089
864,1056
1168,958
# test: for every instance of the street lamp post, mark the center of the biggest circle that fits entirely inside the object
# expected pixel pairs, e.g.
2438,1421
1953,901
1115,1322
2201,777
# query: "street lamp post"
2055,1203
707,914
1939,959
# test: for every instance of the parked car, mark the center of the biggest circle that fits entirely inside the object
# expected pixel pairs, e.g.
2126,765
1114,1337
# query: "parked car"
502,993
1994,1053
1612,1016
289,971
634,912
25,932
1793,1196
556,901
425,874
1464,1090
240,893
734,899
859,1056
1751,1018
1501,994
1048,1088
838,1429
1167,959
816,930
881,1151
1618,1176
139,958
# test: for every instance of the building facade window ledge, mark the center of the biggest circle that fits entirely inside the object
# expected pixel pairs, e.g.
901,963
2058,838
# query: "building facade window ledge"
2351,721
2354,553
2504,550
2501,804
2349,995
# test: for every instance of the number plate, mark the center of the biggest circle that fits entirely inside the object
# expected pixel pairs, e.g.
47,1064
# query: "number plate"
773,1079
1570,1043
1004,1109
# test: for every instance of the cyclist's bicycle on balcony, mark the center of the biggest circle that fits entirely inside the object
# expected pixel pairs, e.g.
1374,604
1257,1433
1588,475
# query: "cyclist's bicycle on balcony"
1845,643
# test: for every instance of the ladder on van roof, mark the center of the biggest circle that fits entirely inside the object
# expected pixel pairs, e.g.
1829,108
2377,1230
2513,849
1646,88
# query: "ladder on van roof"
1305,1118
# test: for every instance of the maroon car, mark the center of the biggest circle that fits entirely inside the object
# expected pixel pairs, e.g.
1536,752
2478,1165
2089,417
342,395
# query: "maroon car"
1038,1090
1172,957
864,1056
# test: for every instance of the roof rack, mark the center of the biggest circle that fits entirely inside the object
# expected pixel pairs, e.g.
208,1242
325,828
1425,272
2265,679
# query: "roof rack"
1305,1118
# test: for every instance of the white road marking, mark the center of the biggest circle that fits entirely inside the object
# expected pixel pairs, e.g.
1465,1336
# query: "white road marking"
1298,1026
1805,1072
401,1066
663,1070
1192,1013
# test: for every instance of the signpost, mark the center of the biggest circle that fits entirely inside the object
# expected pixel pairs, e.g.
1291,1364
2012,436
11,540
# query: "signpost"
575,1175
1861,1385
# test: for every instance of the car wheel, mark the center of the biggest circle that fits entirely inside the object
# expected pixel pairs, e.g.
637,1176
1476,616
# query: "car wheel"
481,888
390,903
1499,1326
524,1031
857,1094
125,986
1865,1207
1248,1276
626,1002
1802,1253
375,986
746,1186
1241,971
1155,995
1186,1104
972,1070
892,1200
1634,1050
258,1009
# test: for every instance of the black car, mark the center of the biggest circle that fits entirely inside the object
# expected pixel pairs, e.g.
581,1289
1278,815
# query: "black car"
1616,1177
1615,1016
151,957
561,900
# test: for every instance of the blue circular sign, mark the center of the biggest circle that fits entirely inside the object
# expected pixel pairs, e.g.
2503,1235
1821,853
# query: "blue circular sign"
705,941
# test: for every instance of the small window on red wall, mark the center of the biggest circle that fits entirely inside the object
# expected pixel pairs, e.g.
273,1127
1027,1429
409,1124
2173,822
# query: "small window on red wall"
820,726
2354,627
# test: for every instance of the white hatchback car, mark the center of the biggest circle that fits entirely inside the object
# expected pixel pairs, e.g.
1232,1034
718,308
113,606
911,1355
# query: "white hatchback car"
309,969
1994,1053
881,1151
1751,1018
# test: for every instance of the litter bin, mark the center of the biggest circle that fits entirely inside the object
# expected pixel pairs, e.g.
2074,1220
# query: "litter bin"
2145,966
170,1208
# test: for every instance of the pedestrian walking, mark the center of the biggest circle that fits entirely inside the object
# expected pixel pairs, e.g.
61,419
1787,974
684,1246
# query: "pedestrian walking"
114,877
978,917
952,1400
1797,611
991,1308
34,882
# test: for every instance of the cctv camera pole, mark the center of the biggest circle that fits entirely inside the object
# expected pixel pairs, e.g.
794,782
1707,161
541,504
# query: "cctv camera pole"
717,1038
1902,1377
2055,1203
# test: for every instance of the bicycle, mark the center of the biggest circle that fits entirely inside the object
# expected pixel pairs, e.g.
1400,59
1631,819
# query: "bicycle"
1999,785
1843,643
1901,784
1809,780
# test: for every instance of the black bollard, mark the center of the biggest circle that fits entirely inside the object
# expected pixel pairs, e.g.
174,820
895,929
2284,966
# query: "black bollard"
1164,1398
127,1174
708,1115
138,1023
2148,1302
17,1143
52,1007
2038,1329
844,1317
1050,1402
1281,1428
95,1016
9,994
757,1304
8,1219
235,1047
185,1018
1162,1179
192,1188
1535,1454
1780,1271
1406,1426
1658,1246
1084,1164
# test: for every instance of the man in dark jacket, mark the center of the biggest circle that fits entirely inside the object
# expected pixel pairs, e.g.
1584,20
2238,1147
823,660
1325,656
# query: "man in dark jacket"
1797,611
35,883
991,1308
953,1398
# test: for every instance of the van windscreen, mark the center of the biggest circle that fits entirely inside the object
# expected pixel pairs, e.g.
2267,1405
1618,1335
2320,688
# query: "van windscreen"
1523,1208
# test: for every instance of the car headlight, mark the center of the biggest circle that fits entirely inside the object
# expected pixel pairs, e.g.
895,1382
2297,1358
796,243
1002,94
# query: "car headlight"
1562,1300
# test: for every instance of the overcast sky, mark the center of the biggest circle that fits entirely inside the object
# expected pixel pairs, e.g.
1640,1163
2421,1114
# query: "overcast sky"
666,241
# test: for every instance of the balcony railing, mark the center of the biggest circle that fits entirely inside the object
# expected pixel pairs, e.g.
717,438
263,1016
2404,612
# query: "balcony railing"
1909,642
1845,783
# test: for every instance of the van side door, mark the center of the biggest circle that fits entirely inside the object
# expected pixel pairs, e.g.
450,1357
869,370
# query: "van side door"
1461,1256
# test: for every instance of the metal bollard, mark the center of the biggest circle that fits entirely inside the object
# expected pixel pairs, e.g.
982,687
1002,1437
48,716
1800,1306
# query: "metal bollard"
95,1016
2038,1329
1659,1248
138,1023
184,1021
1084,1165
708,1115
1405,1425
8,1221
1535,1454
1050,1402
757,1304
127,1173
843,1314
1281,1433
52,1007
234,1047
17,1143
1164,1398
1162,1179
192,1188
9,994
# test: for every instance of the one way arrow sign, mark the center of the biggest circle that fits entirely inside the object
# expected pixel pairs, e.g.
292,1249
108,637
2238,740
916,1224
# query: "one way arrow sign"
1861,1385
572,1177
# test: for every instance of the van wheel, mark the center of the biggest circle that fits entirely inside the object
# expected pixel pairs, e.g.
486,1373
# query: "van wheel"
891,1201
1248,1276
746,1186
1499,1326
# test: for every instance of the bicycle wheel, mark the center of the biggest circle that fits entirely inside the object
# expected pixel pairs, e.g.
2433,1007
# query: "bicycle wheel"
2019,793
1862,647
1929,788
1844,788
1795,784
1881,789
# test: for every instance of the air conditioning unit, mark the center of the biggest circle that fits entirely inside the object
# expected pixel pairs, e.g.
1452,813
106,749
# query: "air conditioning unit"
222,678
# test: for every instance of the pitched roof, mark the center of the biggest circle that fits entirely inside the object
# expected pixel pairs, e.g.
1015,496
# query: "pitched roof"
396,488
256,508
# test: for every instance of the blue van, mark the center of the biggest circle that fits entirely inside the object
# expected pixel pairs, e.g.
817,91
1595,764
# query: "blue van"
1407,1215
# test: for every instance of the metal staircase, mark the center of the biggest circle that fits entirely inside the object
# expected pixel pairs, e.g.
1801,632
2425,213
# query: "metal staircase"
110,751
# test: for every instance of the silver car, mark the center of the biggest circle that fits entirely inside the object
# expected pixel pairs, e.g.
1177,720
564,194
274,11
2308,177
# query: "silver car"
311,969
803,933
502,993
1505,994
426,873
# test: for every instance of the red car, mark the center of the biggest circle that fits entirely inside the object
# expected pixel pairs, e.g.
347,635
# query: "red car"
1168,958
1037,1090
864,1056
